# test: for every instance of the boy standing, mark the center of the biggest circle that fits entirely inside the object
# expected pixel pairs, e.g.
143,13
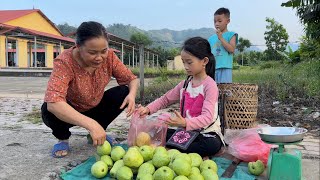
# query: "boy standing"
223,45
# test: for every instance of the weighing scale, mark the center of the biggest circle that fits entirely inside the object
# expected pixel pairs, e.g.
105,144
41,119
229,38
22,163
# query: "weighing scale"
283,164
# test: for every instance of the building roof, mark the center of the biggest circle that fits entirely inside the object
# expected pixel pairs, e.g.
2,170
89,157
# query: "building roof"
8,15
4,28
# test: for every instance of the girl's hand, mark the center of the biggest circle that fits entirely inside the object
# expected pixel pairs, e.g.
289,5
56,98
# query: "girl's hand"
143,111
178,120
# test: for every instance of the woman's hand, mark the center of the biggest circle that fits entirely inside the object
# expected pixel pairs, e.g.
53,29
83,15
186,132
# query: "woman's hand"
98,134
178,120
143,111
130,101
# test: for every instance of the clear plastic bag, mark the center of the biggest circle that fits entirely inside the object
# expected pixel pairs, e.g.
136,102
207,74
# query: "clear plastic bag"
156,129
248,146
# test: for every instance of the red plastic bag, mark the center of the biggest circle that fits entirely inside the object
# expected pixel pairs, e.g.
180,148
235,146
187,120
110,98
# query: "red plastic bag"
248,146
154,126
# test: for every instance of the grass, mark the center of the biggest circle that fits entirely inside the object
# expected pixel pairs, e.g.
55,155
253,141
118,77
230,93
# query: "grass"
34,116
163,81
11,113
157,88
159,72
13,127
276,80
283,80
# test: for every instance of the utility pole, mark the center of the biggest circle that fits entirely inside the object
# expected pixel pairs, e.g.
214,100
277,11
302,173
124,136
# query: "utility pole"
141,60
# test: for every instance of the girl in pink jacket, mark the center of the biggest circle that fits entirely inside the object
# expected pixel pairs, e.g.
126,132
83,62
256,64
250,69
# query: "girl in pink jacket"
198,97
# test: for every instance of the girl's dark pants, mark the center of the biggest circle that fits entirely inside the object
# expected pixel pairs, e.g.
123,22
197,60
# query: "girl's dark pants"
205,146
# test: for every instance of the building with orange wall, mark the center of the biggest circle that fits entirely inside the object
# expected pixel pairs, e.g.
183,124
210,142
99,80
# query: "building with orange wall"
29,39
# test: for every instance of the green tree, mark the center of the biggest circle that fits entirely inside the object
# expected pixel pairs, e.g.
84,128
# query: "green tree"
252,58
276,37
173,52
66,29
309,13
309,48
242,45
140,38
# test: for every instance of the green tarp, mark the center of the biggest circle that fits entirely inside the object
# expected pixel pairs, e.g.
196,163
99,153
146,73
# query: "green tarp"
83,171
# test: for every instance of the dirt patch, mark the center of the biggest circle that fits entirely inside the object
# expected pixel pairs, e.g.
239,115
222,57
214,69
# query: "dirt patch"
295,112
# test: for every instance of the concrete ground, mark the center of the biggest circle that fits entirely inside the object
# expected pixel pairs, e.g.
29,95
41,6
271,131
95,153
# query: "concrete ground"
25,146
31,87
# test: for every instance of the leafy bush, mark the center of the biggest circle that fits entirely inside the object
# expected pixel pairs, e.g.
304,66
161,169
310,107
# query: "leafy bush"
235,67
310,49
295,57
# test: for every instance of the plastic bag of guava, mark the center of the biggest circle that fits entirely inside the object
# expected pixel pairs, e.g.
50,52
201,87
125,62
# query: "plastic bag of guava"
147,131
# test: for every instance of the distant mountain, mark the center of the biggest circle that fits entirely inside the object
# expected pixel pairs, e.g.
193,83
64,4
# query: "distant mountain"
253,48
179,36
164,37
293,46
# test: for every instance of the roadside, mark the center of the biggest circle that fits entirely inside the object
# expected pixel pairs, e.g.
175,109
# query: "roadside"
25,142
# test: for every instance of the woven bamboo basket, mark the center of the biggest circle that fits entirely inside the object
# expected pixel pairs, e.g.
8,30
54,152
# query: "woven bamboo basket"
240,105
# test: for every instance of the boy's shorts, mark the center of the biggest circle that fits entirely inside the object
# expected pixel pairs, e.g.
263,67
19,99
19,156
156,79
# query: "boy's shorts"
223,75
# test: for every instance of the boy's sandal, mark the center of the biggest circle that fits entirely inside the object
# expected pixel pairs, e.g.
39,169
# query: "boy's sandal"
61,146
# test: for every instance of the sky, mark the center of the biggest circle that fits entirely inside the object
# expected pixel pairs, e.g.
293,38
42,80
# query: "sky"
247,16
